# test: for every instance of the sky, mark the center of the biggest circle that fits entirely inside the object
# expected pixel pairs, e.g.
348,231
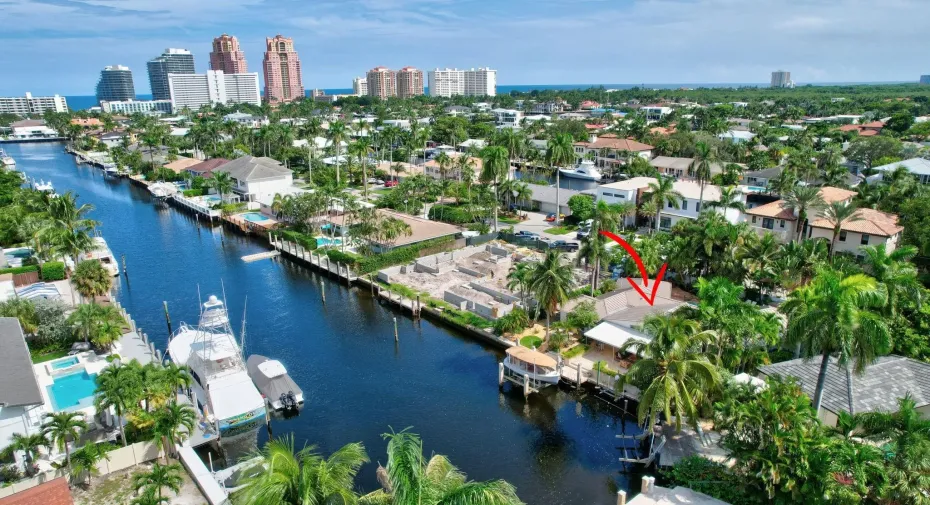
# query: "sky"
60,46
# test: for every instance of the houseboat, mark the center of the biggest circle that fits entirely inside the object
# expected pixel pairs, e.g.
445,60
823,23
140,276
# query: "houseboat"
222,388
541,368
584,170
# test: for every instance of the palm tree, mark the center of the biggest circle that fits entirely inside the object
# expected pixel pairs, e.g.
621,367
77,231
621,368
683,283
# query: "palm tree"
802,200
894,271
908,433
149,497
286,477
560,152
443,161
730,198
518,279
222,183
85,460
410,479
838,214
361,148
661,192
700,167
91,279
677,378
833,315
550,282
29,444
168,423
60,428
593,252
118,386
494,169
158,478
176,377
68,227
85,319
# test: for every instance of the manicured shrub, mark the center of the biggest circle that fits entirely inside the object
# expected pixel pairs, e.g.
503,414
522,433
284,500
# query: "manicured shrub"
20,270
194,192
514,322
53,271
450,214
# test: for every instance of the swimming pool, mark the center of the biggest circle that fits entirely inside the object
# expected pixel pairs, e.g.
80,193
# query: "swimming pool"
212,200
73,391
325,241
254,217
64,363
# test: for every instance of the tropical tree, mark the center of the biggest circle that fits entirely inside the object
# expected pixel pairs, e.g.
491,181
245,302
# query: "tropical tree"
159,478
411,479
85,461
29,444
730,198
833,315
518,279
700,167
894,271
172,425
495,165
838,214
803,200
91,279
118,386
68,228
61,428
286,477
908,433
560,152
593,252
150,497
662,192
222,183
674,376
550,282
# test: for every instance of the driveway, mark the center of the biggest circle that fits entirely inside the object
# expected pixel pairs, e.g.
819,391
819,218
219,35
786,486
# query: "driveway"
536,223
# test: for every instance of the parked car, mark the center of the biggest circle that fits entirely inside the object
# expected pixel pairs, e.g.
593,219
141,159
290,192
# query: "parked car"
526,234
390,184
565,245
375,181
551,217
583,233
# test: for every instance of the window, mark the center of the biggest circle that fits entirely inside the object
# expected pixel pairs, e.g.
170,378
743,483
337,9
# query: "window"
668,204
865,239
697,207
753,219
843,236
768,223
781,223
684,205
665,222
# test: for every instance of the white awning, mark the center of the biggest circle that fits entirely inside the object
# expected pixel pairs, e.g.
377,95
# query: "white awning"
614,335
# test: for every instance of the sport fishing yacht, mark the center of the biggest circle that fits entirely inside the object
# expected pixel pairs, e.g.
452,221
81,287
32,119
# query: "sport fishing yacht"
584,170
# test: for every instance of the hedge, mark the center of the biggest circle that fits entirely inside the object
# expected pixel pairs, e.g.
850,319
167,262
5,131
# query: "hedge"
19,270
368,264
53,271
450,214
305,241
194,192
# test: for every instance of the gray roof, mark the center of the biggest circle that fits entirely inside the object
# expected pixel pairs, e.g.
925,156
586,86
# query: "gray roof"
883,383
20,386
766,173
250,168
546,194
919,166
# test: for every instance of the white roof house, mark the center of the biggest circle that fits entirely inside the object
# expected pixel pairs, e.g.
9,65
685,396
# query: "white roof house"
917,166
736,136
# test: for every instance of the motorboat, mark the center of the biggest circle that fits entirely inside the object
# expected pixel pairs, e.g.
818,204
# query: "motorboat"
110,168
584,170
44,186
6,160
539,367
102,253
224,393
163,190
273,382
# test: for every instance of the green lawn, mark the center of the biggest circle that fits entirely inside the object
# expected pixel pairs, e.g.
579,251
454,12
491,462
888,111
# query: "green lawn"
382,191
531,341
508,220
575,351
39,356
559,230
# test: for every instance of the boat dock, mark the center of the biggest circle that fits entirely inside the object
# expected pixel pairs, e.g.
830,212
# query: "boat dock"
261,256
319,261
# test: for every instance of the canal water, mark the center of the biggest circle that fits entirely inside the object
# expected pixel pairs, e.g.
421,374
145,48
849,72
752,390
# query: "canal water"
559,447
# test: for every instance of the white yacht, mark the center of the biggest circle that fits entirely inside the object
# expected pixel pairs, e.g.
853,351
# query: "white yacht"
110,168
222,388
42,185
273,382
6,160
527,362
102,253
584,170
163,189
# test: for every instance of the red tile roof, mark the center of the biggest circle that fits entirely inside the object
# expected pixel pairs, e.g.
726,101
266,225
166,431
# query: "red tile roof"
612,142
55,492
868,133
871,222
777,209
594,126
873,124
207,166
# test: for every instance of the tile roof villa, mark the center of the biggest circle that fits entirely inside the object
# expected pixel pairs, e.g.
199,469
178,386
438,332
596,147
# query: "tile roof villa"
870,222
611,141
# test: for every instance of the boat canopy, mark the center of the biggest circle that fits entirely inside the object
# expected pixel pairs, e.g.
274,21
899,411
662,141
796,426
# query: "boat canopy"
234,395
272,368
530,356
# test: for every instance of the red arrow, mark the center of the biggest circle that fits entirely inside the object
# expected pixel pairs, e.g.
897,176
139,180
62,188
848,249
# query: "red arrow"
650,298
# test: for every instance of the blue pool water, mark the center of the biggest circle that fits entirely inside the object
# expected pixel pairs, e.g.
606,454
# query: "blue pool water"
254,217
64,363
325,241
212,199
72,391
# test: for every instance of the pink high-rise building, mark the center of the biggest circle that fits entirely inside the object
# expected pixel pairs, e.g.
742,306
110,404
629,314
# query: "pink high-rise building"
227,56
283,82
409,82
382,82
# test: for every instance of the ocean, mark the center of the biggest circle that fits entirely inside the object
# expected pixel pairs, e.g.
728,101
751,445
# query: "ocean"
82,102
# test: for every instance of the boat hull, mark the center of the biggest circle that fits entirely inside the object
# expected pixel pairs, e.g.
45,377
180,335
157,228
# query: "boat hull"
552,377
242,423
575,175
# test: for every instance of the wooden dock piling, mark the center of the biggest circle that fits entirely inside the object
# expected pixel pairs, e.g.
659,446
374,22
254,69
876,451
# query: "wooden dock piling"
396,336
167,317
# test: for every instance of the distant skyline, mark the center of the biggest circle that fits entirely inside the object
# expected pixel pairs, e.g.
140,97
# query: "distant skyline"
60,46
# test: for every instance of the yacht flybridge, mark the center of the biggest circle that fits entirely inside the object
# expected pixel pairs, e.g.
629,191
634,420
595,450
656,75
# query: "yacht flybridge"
223,389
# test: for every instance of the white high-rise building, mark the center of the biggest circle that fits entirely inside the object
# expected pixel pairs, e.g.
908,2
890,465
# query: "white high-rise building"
360,86
452,81
197,90
25,105
782,79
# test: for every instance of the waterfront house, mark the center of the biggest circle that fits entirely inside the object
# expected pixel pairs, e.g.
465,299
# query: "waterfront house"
878,389
471,144
679,168
920,167
257,177
114,138
181,164
775,217
89,122
32,129
21,402
543,199
431,167
611,150
206,167
633,190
